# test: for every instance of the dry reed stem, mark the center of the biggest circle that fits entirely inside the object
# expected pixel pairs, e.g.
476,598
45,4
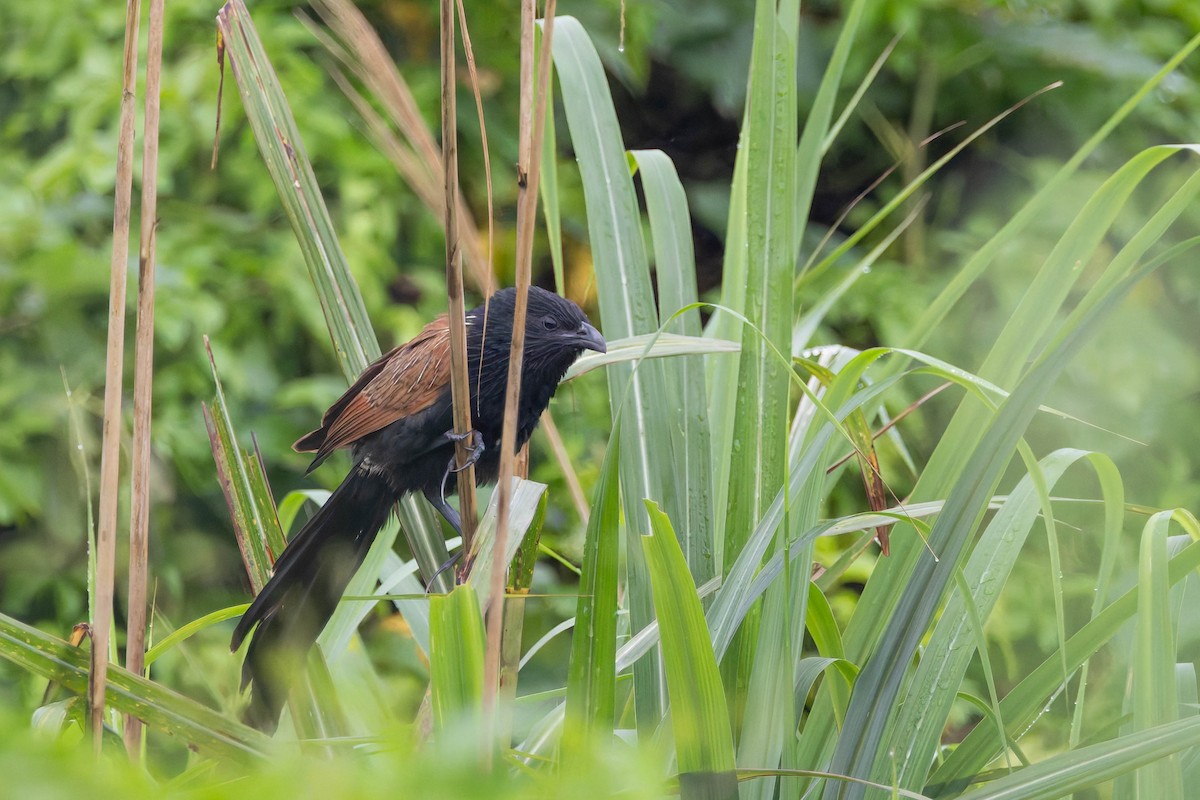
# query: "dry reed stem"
460,387
469,51
110,458
358,46
527,182
139,516
574,487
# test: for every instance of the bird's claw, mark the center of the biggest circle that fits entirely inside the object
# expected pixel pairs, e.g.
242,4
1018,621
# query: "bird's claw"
450,562
474,446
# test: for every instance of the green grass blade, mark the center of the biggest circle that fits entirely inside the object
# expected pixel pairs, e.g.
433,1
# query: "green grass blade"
591,674
293,501
885,592
948,654
759,452
244,483
859,92
1155,700
626,309
656,345
858,748
769,719
1025,702
191,629
690,502
1075,770
456,655
209,731
703,738
816,126
984,256
723,372
1112,488
823,628
729,606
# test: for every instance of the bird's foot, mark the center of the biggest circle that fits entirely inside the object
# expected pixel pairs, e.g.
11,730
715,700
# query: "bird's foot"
474,445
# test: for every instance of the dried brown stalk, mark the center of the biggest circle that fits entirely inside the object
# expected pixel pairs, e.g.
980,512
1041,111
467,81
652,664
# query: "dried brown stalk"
574,487
533,117
469,51
110,458
139,518
460,387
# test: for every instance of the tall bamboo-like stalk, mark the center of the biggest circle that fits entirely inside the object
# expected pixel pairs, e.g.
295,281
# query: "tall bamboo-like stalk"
460,386
533,119
110,459
143,379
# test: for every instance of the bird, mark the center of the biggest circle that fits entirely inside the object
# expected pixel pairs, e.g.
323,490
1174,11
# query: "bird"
397,421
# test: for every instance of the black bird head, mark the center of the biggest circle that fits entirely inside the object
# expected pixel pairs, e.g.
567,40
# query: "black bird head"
554,323
556,332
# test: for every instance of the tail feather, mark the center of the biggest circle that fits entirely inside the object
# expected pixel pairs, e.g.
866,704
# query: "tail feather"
310,577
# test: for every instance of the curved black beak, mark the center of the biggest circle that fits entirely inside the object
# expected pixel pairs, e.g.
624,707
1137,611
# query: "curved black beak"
590,338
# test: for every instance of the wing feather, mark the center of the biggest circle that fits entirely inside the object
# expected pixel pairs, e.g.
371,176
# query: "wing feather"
404,382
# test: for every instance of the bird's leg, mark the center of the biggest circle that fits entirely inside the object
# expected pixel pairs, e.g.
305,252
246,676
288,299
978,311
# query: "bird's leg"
475,448
438,501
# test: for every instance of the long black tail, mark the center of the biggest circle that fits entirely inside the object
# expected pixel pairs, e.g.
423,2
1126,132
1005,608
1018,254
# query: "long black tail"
310,577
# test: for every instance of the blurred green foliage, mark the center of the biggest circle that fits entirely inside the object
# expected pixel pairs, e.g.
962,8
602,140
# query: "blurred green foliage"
229,268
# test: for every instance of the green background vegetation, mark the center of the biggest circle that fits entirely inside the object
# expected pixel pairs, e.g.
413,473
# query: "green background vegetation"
229,268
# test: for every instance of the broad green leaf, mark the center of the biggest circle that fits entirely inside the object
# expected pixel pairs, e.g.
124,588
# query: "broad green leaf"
1075,770
687,499
244,483
1027,701
656,345
948,654
525,499
626,309
759,450
457,644
703,738
1155,700
159,707
591,674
